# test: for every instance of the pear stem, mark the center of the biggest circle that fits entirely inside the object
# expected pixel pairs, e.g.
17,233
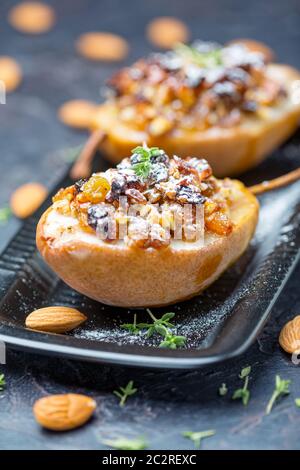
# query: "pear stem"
276,183
82,168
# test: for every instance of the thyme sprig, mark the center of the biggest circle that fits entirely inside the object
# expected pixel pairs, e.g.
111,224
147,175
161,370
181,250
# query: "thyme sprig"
197,437
123,443
124,392
143,165
282,387
159,325
223,390
162,326
5,214
203,59
173,341
134,328
2,382
243,393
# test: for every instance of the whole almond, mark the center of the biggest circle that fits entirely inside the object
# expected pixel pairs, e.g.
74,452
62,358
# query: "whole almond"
32,17
10,73
63,412
102,46
289,338
55,319
166,31
27,198
77,113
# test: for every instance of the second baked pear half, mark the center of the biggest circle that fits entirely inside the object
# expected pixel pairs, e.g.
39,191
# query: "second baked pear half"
225,102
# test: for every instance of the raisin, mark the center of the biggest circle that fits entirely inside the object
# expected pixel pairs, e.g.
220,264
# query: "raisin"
97,213
118,187
135,158
160,158
227,91
79,184
249,106
238,76
186,195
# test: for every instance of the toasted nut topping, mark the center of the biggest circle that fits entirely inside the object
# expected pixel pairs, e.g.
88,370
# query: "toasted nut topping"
32,17
55,319
27,198
10,73
289,338
256,46
159,126
102,46
63,412
77,113
166,31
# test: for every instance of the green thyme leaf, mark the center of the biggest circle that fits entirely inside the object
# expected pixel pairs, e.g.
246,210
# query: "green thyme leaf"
163,321
150,332
161,326
297,402
143,167
124,392
245,372
168,316
5,214
197,437
173,342
2,382
223,390
243,393
282,387
133,328
123,443
161,329
202,59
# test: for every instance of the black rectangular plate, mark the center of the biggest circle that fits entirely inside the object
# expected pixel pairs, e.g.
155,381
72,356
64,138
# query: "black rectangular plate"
219,324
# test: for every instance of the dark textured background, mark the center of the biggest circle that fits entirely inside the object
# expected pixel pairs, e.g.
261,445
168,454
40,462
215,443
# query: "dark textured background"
167,402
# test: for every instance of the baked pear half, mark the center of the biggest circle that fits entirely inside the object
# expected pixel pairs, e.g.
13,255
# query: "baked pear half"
225,102
151,232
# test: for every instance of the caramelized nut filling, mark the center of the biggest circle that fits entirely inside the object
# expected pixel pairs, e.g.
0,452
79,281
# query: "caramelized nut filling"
159,189
194,88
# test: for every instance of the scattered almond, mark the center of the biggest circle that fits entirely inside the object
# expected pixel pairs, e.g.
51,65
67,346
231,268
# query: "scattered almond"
289,338
166,31
77,113
63,412
27,198
55,319
10,73
102,46
32,17
256,46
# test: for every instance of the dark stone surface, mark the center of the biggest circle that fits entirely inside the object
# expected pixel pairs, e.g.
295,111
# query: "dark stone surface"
167,402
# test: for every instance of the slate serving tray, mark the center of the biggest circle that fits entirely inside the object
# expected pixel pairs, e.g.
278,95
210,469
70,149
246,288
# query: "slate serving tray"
219,324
